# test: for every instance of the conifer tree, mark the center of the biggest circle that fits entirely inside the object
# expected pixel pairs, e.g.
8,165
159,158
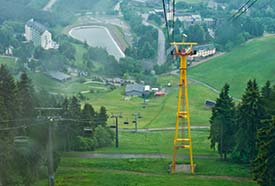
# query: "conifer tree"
26,97
222,123
74,108
249,115
102,116
73,126
268,97
88,114
65,127
263,167
3,114
7,92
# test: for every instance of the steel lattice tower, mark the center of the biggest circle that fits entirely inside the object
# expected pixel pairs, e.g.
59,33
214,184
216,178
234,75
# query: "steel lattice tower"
181,140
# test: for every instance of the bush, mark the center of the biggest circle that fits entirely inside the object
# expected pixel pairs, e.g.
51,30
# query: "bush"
104,136
85,143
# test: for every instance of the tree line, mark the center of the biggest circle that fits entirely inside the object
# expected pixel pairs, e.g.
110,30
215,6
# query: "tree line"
145,42
24,121
246,133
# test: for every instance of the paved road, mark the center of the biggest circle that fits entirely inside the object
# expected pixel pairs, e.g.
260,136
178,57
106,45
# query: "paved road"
161,59
49,5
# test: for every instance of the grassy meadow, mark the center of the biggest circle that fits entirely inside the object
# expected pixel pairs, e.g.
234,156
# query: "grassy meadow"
254,59
158,111
9,61
103,177
77,169
160,142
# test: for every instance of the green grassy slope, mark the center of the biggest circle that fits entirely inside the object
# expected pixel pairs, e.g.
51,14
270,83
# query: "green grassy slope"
38,4
70,7
103,177
9,61
157,142
159,111
68,88
255,59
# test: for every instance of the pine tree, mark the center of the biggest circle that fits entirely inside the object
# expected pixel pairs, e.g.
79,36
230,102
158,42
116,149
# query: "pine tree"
249,115
74,108
268,97
74,126
88,114
222,123
263,167
65,128
26,97
7,92
3,114
102,116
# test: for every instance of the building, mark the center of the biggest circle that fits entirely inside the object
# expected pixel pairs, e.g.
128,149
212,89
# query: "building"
134,90
115,82
203,51
210,22
209,104
59,76
39,35
189,19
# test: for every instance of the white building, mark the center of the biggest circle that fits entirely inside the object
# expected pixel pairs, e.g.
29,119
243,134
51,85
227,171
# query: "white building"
39,35
203,51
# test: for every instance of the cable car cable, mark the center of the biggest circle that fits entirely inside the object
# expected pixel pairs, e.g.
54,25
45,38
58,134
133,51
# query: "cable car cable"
165,18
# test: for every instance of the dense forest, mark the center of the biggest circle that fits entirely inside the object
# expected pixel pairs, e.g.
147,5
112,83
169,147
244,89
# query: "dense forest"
24,122
246,131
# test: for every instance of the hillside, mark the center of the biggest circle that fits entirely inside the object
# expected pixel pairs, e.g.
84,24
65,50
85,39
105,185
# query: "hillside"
254,59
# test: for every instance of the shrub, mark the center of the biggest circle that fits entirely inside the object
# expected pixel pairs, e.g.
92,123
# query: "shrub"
85,143
104,136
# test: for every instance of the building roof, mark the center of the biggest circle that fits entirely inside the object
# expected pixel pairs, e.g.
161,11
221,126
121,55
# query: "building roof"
134,87
204,47
36,26
210,103
59,75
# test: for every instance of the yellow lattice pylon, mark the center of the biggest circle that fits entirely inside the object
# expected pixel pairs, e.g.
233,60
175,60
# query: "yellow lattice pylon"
180,140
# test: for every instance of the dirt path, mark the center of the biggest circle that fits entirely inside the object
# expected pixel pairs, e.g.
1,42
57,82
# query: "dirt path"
233,178
210,87
95,155
166,129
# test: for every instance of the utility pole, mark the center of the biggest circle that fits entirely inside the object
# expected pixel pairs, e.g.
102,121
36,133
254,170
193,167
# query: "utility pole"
50,153
116,116
51,119
136,117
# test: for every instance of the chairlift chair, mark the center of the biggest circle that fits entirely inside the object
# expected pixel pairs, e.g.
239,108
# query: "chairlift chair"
87,131
20,140
126,122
